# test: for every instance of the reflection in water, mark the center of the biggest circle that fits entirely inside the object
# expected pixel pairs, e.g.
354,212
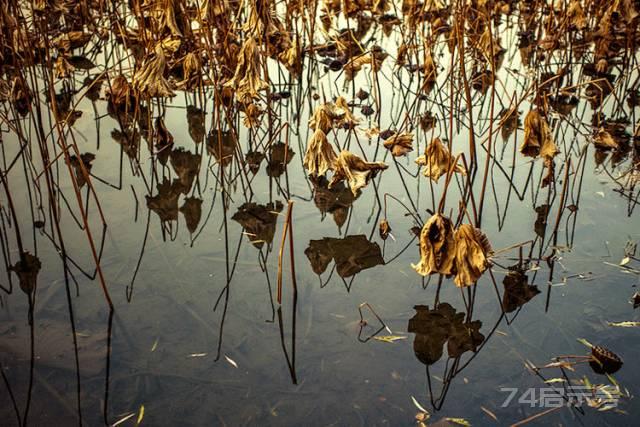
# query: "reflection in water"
351,254
335,200
433,328
517,291
259,221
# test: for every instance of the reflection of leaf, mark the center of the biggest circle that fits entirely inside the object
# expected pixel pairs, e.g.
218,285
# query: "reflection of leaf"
192,211
279,157
464,337
432,331
163,140
86,159
517,292
195,121
433,328
165,203
27,270
129,140
336,200
253,160
258,221
222,146
319,254
635,300
351,254
186,165
81,62
540,225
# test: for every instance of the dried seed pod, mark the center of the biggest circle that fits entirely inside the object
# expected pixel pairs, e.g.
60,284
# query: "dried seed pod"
384,228
604,361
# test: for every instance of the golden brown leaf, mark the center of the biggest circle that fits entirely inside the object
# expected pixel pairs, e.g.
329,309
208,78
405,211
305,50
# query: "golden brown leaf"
399,144
472,250
437,160
320,155
437,247
356,171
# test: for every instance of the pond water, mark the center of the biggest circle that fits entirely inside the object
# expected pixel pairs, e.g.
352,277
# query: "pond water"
188,226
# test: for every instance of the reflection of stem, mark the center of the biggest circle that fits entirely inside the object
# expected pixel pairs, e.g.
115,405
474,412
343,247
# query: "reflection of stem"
285,229
291,363
108,369
11,396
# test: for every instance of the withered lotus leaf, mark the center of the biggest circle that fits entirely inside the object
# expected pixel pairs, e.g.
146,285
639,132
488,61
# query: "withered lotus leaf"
329,115
62,67
320,156
348,119
399,144
258,221
437,161
437,247
356,171
149,80
246,79
252,115
71,40
472,250
323,117
538,140
119,92
604,141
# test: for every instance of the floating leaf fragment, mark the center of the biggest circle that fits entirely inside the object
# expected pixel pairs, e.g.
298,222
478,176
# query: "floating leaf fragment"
459,421
418,405
627,324
231,361
390,338
140,415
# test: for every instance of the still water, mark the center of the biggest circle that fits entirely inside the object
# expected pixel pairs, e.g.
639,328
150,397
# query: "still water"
190,247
